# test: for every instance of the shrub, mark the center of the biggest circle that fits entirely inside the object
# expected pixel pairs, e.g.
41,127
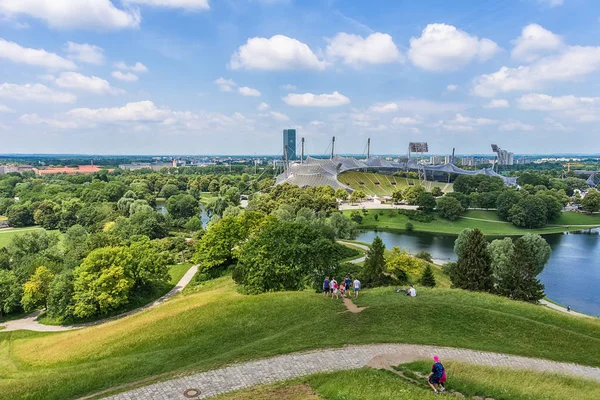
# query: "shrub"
376,217
409,227
427,279
424,255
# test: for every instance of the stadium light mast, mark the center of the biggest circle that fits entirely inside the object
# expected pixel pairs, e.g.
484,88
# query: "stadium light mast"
332,146
368,148
302,151
419,148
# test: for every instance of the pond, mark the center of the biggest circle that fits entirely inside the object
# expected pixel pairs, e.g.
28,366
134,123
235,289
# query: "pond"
571,277
161,207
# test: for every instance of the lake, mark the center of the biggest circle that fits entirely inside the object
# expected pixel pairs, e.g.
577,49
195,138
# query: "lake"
571,277
161,207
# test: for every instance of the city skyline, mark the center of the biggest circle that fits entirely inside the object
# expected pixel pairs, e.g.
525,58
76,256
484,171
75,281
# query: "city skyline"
208,77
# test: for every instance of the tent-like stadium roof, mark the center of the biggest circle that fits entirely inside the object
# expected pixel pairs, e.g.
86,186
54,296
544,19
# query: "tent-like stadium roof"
323,172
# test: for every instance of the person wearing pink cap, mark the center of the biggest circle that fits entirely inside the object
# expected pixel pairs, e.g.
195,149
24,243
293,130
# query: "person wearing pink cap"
437,374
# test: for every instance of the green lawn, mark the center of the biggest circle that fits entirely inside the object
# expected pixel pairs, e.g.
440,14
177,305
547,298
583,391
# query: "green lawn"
375,184
7,234
469,380
215,325
177,272
491,226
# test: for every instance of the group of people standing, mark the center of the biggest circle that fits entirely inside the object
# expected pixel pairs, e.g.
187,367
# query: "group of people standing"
331,286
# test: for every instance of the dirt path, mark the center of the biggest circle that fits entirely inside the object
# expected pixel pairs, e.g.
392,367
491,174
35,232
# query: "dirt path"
350,306
30,323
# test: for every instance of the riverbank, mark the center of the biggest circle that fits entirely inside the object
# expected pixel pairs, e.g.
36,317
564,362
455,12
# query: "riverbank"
487,221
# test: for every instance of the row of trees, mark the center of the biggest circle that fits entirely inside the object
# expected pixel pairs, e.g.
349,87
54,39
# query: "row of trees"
508,267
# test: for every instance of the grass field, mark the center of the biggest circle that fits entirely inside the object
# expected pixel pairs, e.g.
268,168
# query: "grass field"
375,184
487,221
215,325
469,380
7,234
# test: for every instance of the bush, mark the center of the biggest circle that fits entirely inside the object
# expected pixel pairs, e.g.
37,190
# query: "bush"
417,215
376,217
409,227
427,279
424,255
449,208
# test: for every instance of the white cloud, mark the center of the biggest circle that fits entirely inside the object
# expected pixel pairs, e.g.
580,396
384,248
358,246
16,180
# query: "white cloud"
85,53
189,5
127,76
384,107
276,115
34,92
277,53
37,57
137,67
93,84
377,48
137,111
5,109
516,126
451,88
289,87
551,3
334,99
263,106
34,119
316,123
225,85
405,121
443,47
246,91
582,109
535,42
497,103
462,123
64,14
553,125
572,64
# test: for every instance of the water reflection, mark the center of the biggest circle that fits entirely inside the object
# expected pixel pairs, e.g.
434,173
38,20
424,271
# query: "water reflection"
571,277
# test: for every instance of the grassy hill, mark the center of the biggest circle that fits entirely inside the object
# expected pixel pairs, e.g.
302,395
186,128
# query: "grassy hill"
214,325
487,221
469,380
383,185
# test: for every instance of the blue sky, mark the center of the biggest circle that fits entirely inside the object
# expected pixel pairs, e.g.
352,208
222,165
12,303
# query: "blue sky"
226,76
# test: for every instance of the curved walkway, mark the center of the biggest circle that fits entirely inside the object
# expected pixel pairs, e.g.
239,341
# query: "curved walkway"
280,368
30,323
563,309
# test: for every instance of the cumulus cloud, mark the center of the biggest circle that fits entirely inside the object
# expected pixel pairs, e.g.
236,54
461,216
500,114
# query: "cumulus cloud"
535,42
316,123
377,48
497,103
277,53
417,106
137,67
34,92
36,57
443,47
384,107
276,116
93,84
189,5
451,88
582,109
246,91
85,53
225,85
64,14
263,106
127,76
34,119
573,63
5,109
334,99
516,126
289,87
405,121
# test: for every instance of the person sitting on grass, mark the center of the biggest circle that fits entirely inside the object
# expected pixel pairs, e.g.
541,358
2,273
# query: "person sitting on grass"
437,371
326,284
412,292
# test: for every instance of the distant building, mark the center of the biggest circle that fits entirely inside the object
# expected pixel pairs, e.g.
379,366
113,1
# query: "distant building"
435,160
81,169
447,160
289,144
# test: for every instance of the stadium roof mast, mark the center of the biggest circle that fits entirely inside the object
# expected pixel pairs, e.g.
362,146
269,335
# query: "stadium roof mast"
419,148
302,152
332,147
368,148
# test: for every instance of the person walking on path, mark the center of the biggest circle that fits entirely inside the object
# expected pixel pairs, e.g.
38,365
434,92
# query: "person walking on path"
326,284
434,378
334,287
347,282
356,287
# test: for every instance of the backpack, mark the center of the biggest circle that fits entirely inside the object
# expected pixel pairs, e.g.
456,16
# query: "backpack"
438,370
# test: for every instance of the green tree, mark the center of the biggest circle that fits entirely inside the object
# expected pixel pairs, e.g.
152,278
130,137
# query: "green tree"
437,191
375,262
426,202
402,264
505,201
100,282
124,204
342,227
47,214
148,265
20,215
182,206
357,196
428,279
60,296
591,201
409,226
449,208
411,194
36,289
356,217
194,224
502,253
530,212
168,190
518,279
473,270
341,194
397,196
10,292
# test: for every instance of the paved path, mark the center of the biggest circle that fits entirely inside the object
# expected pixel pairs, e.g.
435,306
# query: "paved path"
563,309
30,323
366,248
294,365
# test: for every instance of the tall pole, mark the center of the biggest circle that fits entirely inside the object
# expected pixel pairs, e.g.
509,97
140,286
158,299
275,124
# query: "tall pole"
302,153
368,148
332,146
